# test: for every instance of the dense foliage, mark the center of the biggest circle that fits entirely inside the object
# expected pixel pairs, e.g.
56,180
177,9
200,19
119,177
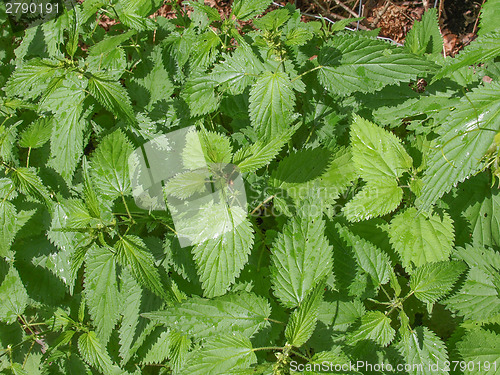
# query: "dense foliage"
370,173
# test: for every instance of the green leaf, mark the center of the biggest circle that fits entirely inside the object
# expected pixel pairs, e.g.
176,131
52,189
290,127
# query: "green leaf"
371,259
490,12
376,152
8,214
421,238
110,43
432,281
200,317
13,297
351,63
272,102
220,355
236,72
37,134
152,75
302,321
132,253
374,326
425,35
110,168
479,203
28,182
216,147
375,199
301,256
261,153
462,144
112,96
101,291
272,20
422,347
66,144
131,295
159,351
95,353
477,298
199,93
185,184
247,9
74,30
482,348
318,173
179,346
220,260
31,79
483,49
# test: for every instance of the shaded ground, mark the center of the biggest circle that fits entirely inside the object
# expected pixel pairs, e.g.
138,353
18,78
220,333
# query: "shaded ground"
457,18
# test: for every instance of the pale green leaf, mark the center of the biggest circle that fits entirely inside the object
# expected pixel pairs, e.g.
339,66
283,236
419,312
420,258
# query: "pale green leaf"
179,347
462,144
199,94
37,134
152,76
28,182
110,169
236,72
481,50
159,351
132,253
301,256
247,9
131,295
302,321
352,63
490,12
376,199
109,43
66,143
31,79
200,317
421,238
375,326
482,348
422,347
13,297
186,184
272,103
101,291
220,260
112,96
8,226
261,153
371,259
425,36
95,353
221,355
432,281
479,203
477,298
376,152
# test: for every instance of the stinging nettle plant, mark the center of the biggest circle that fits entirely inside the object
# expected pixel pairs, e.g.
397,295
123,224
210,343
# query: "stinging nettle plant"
371,173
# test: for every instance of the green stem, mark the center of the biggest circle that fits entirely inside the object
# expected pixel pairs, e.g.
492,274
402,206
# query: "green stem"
274,321
263,203
28,158
307,72
268,348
